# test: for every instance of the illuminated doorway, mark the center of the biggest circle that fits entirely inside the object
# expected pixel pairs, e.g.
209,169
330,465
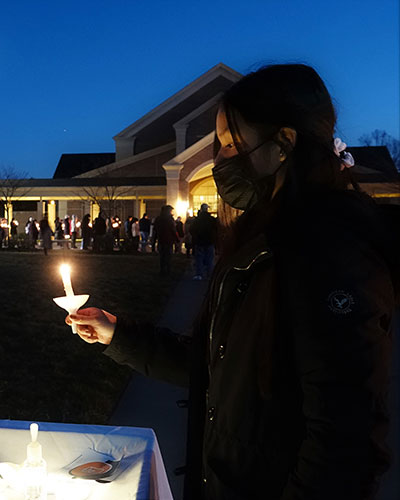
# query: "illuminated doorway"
202,189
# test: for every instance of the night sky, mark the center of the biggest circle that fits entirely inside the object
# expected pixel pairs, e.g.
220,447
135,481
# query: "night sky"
75,73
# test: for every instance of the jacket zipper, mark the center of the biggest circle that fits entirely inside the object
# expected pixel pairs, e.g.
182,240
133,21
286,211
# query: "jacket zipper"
264,252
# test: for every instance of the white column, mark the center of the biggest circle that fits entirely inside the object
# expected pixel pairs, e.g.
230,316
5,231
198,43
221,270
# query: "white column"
172,171
51,213
95,210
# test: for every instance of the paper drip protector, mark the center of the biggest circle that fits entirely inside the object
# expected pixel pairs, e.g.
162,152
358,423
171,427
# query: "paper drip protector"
71,303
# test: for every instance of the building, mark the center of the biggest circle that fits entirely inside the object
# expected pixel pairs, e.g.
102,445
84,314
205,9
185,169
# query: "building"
165,157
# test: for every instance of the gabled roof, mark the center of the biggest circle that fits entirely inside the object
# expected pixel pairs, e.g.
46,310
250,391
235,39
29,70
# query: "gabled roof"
156,127
373,164
131,160
71,165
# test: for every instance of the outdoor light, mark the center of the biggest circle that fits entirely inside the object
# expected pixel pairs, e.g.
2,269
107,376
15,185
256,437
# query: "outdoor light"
181,207
71,302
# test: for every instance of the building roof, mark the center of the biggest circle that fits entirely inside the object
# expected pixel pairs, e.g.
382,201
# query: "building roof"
71,164
373,164
156,127
94,181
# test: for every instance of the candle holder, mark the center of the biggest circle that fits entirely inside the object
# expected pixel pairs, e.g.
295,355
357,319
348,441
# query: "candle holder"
71,303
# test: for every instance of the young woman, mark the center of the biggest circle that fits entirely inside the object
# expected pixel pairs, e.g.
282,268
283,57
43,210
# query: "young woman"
288,366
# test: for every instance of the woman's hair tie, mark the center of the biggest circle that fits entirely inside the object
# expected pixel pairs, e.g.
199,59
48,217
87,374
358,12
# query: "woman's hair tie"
346,157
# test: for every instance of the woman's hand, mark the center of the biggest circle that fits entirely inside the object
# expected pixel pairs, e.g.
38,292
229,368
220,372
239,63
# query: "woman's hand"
93,325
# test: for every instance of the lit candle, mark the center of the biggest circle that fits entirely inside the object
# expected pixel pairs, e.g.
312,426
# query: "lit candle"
65,271
69,302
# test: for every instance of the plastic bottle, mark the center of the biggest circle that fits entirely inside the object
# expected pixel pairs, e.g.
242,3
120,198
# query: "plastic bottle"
35,469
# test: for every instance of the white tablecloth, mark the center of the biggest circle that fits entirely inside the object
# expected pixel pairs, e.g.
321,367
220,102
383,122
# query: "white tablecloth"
142,475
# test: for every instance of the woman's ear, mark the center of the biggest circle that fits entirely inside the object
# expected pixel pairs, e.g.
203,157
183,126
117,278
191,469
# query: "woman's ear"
288,136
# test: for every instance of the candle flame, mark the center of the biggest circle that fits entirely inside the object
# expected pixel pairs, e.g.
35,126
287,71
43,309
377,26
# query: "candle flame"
65,271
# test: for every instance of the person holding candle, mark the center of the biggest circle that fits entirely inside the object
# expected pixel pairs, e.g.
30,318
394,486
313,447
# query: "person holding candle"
289,362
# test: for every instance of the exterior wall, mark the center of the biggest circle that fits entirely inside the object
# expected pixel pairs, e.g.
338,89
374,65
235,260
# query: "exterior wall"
149,167
124,148
201,125
153,207
77,207
192,163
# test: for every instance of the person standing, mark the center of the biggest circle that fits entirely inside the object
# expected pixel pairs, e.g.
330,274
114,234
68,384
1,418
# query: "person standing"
14,233
67,227
116,225
86,232
128,233
99,231
165,229
14,228
144,228
135,234
289,363
59,234
153,235
45,235
74,230
33,233
179,233
204,233
188,239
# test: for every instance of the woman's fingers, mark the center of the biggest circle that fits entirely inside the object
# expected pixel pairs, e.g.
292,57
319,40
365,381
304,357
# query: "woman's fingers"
83,320
93,324
87,333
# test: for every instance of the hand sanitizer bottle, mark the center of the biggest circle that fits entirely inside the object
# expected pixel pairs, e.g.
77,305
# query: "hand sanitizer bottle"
35,469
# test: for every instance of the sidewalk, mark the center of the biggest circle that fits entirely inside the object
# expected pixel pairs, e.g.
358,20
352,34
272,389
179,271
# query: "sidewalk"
150,403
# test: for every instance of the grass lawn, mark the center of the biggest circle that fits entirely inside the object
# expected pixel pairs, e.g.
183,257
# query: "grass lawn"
46,372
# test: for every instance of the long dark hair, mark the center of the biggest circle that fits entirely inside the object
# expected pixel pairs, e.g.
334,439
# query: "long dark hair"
294,95
289,95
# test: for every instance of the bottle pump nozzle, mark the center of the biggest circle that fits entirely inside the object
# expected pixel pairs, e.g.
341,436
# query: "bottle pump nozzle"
34,449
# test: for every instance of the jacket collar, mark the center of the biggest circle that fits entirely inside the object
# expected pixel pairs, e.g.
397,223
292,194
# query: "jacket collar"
255,250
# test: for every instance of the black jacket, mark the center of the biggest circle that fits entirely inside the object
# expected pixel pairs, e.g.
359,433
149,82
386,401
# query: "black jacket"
288,366
204,229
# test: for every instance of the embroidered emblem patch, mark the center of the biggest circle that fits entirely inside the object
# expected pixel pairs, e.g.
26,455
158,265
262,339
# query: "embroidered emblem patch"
340,302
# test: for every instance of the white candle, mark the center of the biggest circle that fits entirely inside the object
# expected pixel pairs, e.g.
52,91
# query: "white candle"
65,271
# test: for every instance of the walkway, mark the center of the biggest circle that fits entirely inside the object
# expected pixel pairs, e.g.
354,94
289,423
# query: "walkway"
150,403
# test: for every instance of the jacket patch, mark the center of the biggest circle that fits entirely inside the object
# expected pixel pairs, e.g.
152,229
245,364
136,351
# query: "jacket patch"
340,302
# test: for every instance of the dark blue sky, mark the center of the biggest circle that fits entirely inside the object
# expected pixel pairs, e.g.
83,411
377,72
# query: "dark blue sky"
75,73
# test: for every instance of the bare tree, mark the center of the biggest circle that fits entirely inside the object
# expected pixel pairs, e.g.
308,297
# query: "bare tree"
11,186
107,197
382,138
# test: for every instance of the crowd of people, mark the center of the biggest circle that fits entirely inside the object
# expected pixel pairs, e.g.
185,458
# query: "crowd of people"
195,236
